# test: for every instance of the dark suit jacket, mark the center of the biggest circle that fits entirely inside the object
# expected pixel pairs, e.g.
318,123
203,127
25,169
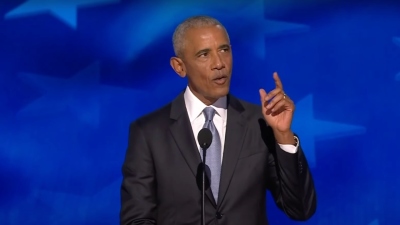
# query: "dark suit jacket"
159,171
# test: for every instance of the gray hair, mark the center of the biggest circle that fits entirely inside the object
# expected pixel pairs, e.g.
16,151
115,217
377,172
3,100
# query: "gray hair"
192,22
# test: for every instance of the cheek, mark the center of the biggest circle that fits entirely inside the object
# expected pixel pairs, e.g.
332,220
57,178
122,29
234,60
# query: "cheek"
203,78
228,62
202,82
206,83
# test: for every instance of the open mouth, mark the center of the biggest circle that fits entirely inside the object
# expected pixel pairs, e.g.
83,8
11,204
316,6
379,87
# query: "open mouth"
220,80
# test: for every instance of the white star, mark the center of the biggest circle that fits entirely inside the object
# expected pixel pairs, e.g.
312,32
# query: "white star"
65,10
310,129
135,34
81,95
241,18
257,28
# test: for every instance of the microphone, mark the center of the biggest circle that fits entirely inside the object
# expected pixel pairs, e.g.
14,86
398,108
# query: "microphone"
204,138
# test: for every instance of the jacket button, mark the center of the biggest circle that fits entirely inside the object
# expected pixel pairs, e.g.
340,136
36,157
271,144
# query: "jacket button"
218,215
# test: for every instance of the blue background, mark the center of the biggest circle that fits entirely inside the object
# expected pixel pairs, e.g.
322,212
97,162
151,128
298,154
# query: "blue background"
75,73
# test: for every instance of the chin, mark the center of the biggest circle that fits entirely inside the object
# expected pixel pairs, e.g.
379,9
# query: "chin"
221,92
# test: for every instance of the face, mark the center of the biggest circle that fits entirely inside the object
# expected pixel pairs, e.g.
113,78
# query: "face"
207,62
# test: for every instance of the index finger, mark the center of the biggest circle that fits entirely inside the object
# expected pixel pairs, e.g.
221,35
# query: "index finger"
278,82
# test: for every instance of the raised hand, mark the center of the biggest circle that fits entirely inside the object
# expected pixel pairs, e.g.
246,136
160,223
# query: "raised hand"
278,111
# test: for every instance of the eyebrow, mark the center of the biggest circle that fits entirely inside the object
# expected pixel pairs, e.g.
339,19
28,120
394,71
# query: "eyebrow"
206,50
224,46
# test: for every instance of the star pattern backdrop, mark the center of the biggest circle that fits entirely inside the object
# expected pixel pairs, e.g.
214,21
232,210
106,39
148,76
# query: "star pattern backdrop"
75,73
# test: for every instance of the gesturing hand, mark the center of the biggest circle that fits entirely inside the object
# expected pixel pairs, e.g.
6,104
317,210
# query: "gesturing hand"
278,110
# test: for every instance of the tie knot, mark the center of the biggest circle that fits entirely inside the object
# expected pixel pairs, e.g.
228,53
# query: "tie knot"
209,113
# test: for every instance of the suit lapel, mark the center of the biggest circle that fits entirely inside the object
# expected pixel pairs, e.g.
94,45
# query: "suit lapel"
181,131
235,132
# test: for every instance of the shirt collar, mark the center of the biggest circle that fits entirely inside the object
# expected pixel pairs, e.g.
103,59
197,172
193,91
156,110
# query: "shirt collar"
195,107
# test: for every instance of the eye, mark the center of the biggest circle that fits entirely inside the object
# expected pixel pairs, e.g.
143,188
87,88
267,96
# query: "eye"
204,54
225,49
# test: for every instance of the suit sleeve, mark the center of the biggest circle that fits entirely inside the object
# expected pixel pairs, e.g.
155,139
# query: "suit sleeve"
291,183
138,189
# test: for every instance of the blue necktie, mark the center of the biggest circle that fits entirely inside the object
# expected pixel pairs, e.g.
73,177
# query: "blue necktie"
213,153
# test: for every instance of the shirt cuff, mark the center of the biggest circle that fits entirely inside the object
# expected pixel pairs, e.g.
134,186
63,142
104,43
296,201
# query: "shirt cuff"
290,148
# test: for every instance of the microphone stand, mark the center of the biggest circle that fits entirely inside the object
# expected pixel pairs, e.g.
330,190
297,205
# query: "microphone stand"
204,139
202,183
203,188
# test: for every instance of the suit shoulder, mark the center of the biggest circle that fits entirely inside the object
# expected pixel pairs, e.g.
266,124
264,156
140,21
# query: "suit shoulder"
249,105
154,118
251,108
254,116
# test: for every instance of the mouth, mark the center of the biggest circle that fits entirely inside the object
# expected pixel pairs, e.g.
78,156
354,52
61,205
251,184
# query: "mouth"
220,80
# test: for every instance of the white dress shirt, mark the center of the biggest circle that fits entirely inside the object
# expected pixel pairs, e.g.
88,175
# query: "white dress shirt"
195,108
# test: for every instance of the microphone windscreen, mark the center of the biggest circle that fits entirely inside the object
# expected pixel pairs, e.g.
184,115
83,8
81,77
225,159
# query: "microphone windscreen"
204,138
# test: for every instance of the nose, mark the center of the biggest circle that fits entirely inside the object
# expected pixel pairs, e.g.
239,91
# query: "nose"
218,63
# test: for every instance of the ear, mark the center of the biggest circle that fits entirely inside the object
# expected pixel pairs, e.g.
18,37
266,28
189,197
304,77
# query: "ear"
178,66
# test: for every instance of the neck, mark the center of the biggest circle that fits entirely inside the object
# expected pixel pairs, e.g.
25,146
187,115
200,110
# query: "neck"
206,100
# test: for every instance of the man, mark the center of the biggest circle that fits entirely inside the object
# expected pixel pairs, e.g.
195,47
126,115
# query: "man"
253,148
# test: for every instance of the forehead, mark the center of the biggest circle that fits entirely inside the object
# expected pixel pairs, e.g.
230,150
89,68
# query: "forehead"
205,37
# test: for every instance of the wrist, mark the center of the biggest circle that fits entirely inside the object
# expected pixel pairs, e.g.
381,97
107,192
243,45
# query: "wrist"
286,137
